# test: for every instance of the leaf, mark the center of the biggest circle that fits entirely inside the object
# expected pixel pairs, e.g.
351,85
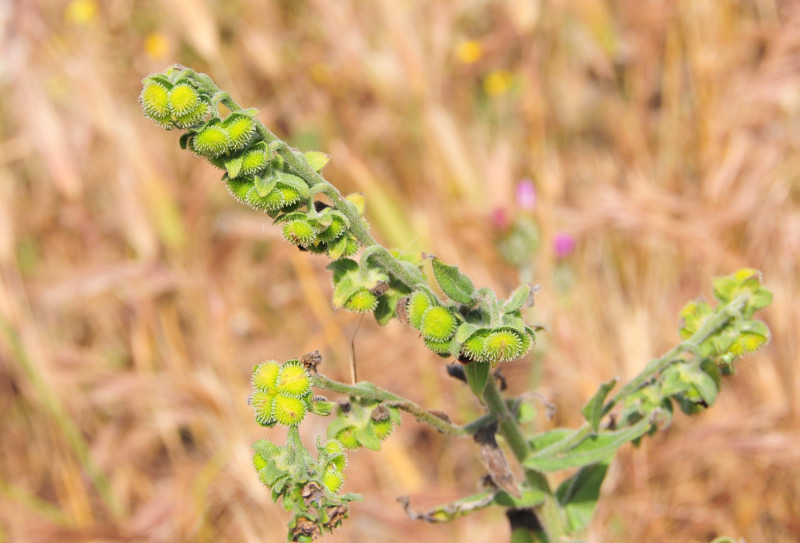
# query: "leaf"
519,298
337,248
366,436
184,140
593,411
264,185
234,167
337,425
551,437
316,159
456,286
387,304
530,497
477,376
594,448
578,495
292,181
342,267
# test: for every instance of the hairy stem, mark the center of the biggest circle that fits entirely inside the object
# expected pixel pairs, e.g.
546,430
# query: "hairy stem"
548,512
371,392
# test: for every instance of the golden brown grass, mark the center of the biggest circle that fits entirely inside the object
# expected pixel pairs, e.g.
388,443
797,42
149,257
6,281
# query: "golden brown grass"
136,294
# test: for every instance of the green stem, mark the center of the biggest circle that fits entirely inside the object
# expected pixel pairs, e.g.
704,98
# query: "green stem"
549,512
369,391
711,326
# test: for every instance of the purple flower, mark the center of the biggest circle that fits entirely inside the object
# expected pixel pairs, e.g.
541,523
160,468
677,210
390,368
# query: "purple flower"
563,244
500,218
526,195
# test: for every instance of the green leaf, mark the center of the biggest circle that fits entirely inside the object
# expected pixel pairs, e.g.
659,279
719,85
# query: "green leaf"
337,248
387,304
578,495
551,437
456,286
594,448
593,411
234,167
294,182
752,336
316,159
477,376
342,267
337,425
264,185
529,497
518,299
366,436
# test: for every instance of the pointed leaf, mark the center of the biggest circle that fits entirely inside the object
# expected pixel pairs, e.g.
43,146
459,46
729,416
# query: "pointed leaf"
293,181
316,159
593,411
234,167
477,376
551,437
342,267
456,286
518,299
337,248
578,495
366,436
387,304
263,184
595,448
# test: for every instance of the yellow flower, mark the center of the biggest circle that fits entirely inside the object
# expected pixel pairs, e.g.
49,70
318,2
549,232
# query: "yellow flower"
469,51
498,82
156,46
81,12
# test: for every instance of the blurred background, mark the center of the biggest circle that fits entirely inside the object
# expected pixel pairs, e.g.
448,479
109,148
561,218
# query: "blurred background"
618,153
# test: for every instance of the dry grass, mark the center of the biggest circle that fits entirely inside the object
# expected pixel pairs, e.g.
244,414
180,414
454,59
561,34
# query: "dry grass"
136,294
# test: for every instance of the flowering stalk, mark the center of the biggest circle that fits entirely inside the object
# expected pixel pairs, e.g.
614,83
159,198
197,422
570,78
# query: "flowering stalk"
470,326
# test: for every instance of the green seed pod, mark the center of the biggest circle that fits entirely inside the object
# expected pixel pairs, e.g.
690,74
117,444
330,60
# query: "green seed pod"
361,301
333,479
265,375
383,428
211,141
472,348
299,232
293,380
336,229
333,446
441,348
351,248
254,161
239,128
183,99
322,407
503,345
290,194
273,201
288,410
438,324
418,304
262,403
193,117
348,439
239,188
155,103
